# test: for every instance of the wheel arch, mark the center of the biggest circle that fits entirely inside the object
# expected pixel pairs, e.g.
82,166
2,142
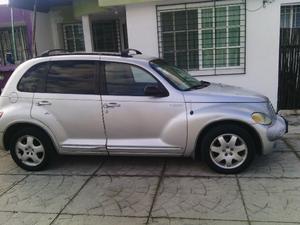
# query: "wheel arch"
8,133
251,130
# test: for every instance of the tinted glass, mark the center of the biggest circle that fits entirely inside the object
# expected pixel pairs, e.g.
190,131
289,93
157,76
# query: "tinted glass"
34,79
125,79
72,77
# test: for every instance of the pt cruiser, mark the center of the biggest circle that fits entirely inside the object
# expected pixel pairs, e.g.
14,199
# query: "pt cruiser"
128,104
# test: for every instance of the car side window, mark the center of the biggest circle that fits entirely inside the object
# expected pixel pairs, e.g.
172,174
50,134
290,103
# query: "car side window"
72,77
34,79
126,79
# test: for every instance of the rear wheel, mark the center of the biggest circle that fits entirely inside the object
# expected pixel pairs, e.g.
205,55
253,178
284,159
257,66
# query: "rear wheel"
228,149
31,149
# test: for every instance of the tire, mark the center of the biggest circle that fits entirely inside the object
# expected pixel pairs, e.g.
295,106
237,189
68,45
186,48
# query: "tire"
228,149
31,149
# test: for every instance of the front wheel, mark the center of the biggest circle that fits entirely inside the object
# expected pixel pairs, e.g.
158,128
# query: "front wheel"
228,149
30,149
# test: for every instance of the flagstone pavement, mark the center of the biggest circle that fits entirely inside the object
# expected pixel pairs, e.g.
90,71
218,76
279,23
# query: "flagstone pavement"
157,191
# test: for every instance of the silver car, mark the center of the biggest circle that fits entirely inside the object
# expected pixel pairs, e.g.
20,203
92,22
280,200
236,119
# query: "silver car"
124,104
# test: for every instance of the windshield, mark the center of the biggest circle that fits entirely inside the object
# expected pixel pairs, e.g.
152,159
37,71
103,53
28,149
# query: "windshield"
179,78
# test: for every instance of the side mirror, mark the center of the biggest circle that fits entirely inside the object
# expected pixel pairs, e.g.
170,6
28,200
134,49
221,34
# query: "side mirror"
155,91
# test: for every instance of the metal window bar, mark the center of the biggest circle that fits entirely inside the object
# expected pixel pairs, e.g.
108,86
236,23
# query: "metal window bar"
204,38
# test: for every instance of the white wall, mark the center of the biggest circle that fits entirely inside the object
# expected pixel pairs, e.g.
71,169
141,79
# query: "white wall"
87,32
43,33
262,43
142,28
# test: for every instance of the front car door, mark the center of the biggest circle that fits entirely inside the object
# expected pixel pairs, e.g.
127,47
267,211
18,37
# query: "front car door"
138,124
70,106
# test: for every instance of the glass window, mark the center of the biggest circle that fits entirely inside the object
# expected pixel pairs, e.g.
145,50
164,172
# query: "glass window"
106,36
72,77
125,79
177,77
73,37
290,16
180,38
222,43
209,38
34,79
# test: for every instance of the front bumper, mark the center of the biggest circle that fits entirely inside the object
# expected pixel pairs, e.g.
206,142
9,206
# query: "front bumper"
269,134
277,129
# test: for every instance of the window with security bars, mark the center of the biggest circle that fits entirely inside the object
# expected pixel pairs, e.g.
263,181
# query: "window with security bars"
290,16
73,37
23,51
205,37
106,36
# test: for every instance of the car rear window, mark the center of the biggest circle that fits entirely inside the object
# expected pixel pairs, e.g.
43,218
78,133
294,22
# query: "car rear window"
34,79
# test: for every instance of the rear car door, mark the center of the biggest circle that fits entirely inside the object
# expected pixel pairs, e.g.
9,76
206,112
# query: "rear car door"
138,124
70,105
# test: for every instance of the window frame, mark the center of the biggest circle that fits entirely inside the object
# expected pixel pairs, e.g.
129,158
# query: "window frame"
199,6
103,86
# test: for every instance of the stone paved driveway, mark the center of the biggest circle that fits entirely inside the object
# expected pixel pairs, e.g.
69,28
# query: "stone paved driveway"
156,191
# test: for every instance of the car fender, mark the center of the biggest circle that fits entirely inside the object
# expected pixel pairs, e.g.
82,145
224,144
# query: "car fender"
201,115
36,123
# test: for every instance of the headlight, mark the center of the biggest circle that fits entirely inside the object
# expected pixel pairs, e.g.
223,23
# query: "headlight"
261,118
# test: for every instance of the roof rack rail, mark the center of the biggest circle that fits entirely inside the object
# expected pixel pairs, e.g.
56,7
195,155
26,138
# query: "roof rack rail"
125,53
60,52
48,52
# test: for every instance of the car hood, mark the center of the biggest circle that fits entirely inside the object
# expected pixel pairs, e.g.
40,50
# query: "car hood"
223,93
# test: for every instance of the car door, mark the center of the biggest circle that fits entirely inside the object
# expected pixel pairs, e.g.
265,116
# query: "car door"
70,106
138,124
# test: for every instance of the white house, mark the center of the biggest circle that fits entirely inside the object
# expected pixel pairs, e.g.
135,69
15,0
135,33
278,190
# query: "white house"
235,42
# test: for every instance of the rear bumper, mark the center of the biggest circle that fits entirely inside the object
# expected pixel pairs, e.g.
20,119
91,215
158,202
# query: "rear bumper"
269,134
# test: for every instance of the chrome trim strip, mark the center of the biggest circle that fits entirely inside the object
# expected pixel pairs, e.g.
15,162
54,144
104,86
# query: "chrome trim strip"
147,148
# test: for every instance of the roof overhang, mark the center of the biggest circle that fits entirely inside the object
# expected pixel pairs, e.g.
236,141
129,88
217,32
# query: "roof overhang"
42,5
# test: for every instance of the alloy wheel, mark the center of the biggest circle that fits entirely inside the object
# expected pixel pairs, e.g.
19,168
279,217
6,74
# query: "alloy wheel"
228,151
30,150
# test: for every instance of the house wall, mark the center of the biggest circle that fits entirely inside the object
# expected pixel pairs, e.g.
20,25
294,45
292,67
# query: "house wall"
262,43
44,39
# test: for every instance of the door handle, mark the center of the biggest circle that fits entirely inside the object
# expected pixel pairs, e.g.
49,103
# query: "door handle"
41,103
111,105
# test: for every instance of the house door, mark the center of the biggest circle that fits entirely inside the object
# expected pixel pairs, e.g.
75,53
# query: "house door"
289,62
106,36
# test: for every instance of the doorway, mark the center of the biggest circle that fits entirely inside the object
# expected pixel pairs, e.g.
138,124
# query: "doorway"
289,58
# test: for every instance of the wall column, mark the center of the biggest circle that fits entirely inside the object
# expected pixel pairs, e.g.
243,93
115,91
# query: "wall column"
87,32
